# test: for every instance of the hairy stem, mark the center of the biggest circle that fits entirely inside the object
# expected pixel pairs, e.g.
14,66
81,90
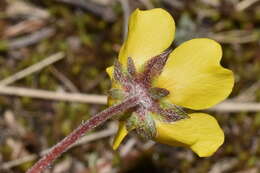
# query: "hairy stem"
95,121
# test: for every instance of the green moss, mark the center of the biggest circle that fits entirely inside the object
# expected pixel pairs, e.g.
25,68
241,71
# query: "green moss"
3,45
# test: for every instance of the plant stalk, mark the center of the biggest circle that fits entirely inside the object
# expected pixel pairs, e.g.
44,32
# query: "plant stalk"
93,122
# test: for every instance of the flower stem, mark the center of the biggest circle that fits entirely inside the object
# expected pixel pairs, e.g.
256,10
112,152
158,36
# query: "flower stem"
93,122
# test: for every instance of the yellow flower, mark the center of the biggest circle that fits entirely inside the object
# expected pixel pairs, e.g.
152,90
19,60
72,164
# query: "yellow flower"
192,75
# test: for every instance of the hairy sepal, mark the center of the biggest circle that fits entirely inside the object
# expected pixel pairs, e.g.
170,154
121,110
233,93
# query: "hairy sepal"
143,124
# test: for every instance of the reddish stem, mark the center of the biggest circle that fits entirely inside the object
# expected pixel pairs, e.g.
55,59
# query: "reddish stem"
95,121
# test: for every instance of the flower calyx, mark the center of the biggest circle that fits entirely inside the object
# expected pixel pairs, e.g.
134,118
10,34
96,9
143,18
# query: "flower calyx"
150,103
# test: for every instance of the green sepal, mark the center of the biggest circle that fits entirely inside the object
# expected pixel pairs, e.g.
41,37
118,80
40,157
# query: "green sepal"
144,125
158,93
178,111
116,93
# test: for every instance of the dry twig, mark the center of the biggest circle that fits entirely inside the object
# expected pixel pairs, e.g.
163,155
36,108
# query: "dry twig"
126,9
224,165
23,27
64,80
34,68
236,36
241,6
147,3
18,8
31,39
125,149
248,94
232,106
226,106
52,95
105,12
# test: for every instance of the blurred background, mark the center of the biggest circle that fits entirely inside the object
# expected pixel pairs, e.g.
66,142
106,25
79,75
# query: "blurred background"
53,54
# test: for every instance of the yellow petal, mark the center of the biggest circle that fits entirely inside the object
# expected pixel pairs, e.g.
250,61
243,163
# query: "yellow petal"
121,134
200,132
194,76
150,32
109,71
